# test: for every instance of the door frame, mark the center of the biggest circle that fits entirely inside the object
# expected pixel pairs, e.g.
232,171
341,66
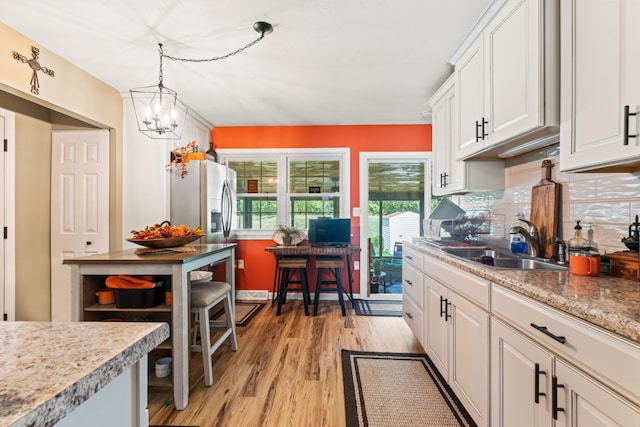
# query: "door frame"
7,209
391,156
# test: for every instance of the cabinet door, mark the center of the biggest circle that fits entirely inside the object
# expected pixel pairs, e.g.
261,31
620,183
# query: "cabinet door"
513,54
441,150
600,41
469,356
587,403
450,173
520,375
436,331
469,108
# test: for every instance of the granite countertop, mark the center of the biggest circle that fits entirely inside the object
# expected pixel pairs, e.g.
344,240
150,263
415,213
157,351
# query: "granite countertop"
608,302
49,369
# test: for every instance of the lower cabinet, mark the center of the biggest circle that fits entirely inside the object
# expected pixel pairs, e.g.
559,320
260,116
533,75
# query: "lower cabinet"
534,382
457,341
513,361
520,379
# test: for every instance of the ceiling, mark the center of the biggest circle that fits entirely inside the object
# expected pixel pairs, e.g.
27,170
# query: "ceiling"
327,62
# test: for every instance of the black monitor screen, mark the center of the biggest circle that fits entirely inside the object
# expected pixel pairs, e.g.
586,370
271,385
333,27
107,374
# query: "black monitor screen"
330,231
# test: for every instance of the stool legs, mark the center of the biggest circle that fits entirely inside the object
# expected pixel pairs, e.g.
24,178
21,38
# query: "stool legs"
228,326
284,287
339,289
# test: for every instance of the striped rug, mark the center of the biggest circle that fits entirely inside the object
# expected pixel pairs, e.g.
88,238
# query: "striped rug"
398,389
374,307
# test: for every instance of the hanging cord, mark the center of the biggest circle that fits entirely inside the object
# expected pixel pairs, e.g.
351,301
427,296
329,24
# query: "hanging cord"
215,58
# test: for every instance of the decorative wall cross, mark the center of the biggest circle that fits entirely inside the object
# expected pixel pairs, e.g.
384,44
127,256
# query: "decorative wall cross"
35,66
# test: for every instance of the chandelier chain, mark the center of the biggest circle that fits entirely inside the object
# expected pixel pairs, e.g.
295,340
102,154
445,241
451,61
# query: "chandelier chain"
215,58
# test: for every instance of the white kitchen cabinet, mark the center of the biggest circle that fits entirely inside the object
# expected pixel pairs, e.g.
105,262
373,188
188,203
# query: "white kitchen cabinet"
412,299
436,340
581,376
454,176
507,80
457,336
600,41
583,402
521,373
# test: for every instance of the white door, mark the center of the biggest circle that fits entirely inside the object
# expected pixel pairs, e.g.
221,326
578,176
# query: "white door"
469,356
79,208
470,106
520,379
7,215
437,331
586,403
599,66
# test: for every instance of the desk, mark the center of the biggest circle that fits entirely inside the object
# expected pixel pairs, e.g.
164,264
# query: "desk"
308,250
89,271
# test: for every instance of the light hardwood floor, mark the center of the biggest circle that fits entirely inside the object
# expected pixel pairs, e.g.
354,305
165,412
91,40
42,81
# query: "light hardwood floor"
286,372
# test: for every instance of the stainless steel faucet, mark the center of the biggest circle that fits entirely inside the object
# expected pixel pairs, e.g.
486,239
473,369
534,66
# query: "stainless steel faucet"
530,235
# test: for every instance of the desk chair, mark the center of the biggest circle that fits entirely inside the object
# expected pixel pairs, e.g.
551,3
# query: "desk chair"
205,296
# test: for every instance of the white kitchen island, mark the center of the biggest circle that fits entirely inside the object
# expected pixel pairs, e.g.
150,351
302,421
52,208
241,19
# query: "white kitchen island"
76,374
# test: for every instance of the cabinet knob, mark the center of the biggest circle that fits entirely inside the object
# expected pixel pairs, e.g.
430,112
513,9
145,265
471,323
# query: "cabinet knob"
88,243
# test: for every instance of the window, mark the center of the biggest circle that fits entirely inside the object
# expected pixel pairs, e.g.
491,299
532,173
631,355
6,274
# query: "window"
287,187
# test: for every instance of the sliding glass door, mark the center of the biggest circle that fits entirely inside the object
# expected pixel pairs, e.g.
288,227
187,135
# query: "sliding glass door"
394,201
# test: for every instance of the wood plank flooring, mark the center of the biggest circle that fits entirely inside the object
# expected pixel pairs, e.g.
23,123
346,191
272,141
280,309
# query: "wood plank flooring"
286,371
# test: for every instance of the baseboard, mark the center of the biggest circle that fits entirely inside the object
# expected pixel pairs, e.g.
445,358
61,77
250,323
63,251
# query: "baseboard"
267,295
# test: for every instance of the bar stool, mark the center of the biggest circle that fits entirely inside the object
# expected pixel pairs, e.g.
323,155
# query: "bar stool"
205,296
287,267
333,265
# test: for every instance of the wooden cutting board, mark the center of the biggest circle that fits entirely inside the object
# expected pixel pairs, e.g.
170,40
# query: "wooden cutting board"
545,197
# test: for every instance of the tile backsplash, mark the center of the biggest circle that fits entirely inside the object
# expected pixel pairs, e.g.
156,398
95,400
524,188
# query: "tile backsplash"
609,201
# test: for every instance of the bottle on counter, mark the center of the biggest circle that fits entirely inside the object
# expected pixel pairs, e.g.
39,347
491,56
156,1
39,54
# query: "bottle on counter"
584,259
517,242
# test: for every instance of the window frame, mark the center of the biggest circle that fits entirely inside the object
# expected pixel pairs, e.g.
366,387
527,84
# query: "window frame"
283,156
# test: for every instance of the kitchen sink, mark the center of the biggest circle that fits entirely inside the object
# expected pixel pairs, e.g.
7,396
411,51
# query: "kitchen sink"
471,253
525,264
501,259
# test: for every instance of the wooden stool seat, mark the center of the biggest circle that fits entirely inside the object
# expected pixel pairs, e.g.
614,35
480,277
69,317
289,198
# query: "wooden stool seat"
333,262
287,267
292,263
204,297
333,265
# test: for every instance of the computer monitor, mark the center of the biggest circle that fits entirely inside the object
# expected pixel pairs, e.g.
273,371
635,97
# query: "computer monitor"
330,231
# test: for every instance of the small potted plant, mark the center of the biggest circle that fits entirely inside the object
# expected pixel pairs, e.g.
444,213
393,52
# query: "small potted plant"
289,233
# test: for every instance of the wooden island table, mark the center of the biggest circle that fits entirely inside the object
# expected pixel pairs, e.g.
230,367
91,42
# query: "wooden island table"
89,273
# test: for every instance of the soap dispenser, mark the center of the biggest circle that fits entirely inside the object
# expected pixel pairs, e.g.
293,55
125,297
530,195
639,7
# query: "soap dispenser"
517,243
584,259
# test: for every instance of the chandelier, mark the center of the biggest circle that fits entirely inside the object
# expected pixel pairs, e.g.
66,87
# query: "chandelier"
159,112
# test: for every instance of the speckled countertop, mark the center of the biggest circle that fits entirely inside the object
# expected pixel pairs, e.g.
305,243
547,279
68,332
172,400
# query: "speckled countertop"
48,369
605,301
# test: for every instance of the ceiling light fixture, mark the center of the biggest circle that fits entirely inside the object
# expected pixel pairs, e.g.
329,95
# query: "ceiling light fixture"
159,112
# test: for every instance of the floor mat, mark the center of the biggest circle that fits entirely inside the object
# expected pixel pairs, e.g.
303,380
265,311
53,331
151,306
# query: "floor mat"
378,308
399,389
245,311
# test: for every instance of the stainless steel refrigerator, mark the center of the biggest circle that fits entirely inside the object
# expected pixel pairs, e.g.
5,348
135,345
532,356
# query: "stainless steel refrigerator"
206,196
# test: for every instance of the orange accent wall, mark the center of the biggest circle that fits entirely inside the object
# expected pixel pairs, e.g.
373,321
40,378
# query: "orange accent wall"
260,265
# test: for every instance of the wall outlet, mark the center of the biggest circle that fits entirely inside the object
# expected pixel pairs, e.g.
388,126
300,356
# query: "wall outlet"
240,264
356,265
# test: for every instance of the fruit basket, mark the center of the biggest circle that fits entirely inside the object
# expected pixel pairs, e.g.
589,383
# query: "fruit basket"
165,235
165,242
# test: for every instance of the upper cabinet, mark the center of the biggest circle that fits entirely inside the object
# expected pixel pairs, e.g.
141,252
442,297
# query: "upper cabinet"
454,176
507,80
600,84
